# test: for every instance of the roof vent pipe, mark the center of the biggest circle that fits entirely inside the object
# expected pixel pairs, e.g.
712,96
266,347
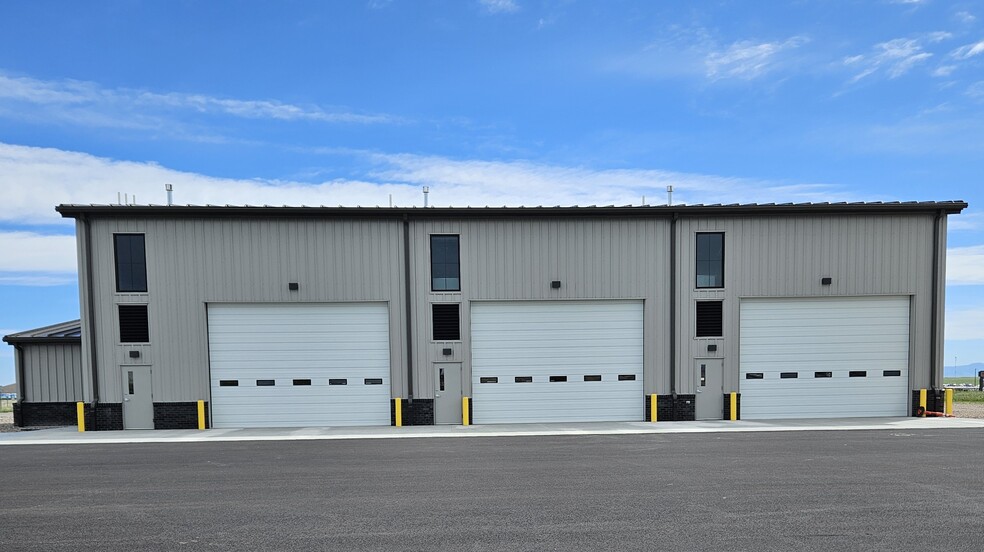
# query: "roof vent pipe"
170,197
426,191
669,195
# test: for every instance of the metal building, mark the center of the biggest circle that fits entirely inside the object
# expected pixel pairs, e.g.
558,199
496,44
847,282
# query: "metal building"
295,316
48,368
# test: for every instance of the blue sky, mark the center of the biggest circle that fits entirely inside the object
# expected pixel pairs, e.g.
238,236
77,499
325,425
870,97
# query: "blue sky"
489,103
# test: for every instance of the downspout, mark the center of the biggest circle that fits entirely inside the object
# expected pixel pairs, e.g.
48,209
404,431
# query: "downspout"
673,299
934,322
21,374
406,279
90,315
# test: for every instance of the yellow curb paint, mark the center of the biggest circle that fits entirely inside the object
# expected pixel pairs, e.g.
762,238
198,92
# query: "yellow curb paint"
652,407
464,411
80,411
398,408
922,400
201,414
734,407
948,409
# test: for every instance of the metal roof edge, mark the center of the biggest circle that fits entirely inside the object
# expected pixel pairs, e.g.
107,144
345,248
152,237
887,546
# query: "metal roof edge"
75,211
42,334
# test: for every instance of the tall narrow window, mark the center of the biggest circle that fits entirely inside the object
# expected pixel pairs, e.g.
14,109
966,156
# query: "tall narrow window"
131,262
445,264
133,324
710,260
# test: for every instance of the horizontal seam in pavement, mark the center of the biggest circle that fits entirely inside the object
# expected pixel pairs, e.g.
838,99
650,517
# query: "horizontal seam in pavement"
61,437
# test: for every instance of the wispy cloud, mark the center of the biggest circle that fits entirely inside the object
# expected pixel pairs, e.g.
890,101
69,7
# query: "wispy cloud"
895,57
88,103
965,17
499,6
968,50
747,59
965,265
696,53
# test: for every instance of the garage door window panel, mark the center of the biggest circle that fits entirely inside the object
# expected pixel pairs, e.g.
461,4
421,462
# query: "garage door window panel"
710,260
445,263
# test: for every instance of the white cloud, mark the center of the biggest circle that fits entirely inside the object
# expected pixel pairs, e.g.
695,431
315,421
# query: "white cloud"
944,70
968,50
965,221
964,324
895,57
32,252
499,6
747,59
965,265
87,103
965,17
37,179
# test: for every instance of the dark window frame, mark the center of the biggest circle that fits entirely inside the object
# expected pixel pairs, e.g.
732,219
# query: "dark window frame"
457,238
131,264
697,320
119,320
698,260
435,307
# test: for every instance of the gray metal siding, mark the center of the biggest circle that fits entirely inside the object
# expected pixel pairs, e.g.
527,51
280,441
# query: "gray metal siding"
786,257
192,262
52,372
516,259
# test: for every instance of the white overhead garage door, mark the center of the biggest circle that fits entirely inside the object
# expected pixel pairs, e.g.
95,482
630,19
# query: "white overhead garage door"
556,361
294,365
828,357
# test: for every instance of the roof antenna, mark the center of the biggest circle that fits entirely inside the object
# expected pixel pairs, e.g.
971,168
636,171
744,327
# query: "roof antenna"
391,200
426,191
170,190
669,195
643,201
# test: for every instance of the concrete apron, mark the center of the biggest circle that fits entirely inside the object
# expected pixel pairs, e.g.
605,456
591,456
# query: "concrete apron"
71,436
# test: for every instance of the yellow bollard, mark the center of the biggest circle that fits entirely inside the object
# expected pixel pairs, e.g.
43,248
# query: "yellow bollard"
653,399
201,414
948,409
464,411
80,411
922,401
398,410
734,407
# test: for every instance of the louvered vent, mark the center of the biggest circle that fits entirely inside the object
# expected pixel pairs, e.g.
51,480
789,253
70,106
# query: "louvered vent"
709,319
133,324
447,323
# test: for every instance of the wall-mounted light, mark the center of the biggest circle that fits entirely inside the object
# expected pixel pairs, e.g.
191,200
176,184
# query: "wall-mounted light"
555,284
134,354
448,351
826,281
712,347
293,286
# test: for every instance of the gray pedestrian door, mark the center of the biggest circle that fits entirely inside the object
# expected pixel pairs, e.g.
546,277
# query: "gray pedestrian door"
138,398
710,389
447,396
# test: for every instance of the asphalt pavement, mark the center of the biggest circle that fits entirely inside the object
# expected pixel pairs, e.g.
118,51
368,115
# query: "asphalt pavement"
828,490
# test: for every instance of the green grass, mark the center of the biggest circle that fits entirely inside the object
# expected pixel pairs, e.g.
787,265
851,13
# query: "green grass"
968,396
958,381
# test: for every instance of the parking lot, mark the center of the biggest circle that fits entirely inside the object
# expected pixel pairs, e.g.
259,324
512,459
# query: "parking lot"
853,490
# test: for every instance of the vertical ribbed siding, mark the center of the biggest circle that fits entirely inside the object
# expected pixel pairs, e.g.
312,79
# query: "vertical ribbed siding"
52,372
192,262
517,259
785,256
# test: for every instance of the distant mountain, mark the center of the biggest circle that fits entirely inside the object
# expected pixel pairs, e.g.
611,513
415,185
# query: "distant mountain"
967,370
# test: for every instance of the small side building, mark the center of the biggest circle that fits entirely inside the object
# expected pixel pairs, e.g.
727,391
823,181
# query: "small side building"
48,364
